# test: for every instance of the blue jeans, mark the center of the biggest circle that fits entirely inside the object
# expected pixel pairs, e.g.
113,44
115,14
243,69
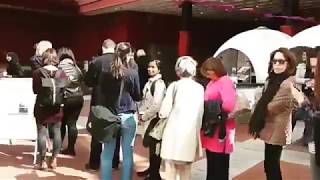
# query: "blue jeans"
128,132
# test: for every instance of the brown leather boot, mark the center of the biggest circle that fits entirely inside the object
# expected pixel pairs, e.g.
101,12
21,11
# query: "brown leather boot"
52,162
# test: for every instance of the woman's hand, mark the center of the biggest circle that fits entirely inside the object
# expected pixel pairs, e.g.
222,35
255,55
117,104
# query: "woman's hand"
298,95
140,118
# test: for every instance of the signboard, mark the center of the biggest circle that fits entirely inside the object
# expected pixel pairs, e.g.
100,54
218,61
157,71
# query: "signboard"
16,109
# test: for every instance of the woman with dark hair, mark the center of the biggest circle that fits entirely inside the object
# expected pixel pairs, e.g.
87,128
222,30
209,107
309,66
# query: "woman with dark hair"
271,119
314,146
14,68
73,98
220,144
153,94
123,71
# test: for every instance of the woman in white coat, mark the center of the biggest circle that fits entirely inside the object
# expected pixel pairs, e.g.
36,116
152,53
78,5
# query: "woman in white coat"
183,108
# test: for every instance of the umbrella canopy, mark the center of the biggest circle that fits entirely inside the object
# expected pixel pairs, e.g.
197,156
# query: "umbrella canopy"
257,44
306,38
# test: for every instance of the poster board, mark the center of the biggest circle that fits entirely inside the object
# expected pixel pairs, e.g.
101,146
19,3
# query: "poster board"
16,110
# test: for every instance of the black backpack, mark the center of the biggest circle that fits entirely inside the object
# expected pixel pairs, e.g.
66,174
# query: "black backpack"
52,92
153,86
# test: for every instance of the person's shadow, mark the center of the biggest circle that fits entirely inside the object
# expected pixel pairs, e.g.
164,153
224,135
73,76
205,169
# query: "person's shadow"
20,157
35,175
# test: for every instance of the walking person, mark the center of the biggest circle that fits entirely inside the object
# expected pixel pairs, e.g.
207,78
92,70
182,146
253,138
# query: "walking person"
153,94
183,109
73,98
48,107
271,119
218,139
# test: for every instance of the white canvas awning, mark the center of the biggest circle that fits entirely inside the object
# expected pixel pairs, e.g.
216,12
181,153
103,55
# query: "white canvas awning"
306,38
257,45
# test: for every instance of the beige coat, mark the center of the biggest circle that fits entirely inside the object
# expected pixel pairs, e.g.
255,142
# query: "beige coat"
278,125
183,106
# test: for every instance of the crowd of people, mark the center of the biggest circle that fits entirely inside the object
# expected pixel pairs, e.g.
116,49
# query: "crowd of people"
180,119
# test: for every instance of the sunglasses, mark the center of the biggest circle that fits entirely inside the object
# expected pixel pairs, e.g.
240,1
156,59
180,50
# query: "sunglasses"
279,61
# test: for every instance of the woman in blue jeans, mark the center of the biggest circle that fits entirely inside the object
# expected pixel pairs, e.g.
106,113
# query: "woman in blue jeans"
128,132
122,70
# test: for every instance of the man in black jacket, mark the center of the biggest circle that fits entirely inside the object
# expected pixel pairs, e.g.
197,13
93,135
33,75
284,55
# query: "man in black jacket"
92,80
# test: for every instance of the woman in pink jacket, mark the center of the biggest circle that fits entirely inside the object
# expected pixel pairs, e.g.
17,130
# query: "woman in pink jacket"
218,149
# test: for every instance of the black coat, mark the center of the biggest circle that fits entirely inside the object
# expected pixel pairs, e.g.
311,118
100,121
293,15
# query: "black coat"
106,88
14,69
214,118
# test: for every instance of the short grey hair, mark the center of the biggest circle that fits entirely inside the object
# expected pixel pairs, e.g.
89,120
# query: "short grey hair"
186,66
42,46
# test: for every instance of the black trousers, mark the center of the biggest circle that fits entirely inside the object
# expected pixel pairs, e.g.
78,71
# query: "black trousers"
155,161
95,153
272,154
71,112
217,165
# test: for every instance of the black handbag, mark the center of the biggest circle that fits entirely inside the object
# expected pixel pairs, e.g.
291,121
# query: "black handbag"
213,118
147,139
105,125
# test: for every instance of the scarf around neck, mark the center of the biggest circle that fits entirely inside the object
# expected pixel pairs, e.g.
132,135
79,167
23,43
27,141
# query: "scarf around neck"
257,120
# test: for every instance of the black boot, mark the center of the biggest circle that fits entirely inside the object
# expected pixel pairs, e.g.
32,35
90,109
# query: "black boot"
70,152
143,173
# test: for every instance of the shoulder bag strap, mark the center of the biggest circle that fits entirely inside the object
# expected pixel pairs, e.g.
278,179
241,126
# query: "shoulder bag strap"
78,69
121,91
44,73
174,92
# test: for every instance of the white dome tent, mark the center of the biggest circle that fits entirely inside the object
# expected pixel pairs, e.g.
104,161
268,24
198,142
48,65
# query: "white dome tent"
306,38
256,44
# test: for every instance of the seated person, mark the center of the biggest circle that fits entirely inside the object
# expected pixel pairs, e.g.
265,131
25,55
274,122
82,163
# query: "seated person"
13,68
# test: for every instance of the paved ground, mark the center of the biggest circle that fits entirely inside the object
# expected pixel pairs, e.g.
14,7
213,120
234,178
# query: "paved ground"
246,162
